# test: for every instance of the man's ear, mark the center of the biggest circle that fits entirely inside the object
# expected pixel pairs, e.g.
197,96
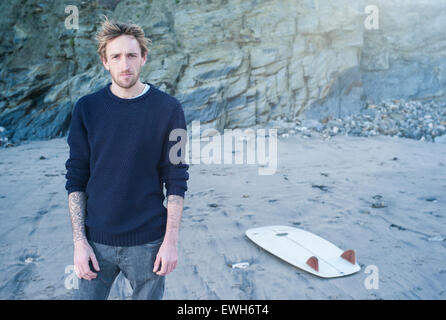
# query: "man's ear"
144,59
105,63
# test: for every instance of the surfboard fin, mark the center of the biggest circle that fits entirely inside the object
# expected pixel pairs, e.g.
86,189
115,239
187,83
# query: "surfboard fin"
313,262
349,255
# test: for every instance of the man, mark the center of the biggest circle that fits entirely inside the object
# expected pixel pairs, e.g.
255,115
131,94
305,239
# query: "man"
121,153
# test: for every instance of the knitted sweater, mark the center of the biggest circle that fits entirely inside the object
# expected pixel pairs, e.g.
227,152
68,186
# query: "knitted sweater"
119,156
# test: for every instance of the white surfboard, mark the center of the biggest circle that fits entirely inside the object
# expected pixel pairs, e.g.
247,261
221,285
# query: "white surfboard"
305,250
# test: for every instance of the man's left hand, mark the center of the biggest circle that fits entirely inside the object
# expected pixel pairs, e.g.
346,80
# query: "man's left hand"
167,256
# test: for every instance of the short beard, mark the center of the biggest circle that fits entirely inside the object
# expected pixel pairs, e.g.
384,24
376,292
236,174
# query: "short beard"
129,85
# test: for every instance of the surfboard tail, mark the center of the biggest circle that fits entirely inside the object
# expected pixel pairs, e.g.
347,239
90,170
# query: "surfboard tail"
349,255
313,262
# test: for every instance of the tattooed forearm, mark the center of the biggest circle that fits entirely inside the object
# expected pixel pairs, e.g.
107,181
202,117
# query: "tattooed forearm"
77,202
174,211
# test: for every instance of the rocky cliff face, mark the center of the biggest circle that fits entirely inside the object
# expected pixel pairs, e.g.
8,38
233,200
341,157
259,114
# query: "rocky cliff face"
232,63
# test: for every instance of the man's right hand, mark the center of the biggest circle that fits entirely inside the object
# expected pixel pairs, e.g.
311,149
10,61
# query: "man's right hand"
83,253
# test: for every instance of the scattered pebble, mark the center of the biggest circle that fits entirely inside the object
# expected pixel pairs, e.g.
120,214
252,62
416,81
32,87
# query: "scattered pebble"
379,205
240,265
420,120
322,187
436,238
324,174
29,260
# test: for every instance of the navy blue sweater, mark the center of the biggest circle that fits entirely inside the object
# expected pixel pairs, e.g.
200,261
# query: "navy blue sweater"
119,156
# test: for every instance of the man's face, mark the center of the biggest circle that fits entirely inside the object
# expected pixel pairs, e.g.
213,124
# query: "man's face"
124,60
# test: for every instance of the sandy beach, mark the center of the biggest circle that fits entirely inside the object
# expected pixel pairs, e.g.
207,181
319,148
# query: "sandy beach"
383,197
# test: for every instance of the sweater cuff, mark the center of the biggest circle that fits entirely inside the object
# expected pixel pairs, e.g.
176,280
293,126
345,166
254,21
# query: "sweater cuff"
75,188
177,191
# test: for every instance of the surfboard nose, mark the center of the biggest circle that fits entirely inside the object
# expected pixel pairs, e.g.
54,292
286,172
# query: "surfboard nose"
349,255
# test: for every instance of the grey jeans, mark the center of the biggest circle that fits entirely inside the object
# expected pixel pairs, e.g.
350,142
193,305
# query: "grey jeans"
135,262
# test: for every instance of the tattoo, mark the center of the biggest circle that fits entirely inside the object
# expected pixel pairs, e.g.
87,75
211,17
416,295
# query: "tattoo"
174,212
77,202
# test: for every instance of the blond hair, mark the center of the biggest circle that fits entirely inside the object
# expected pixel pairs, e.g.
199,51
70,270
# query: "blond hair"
111,29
